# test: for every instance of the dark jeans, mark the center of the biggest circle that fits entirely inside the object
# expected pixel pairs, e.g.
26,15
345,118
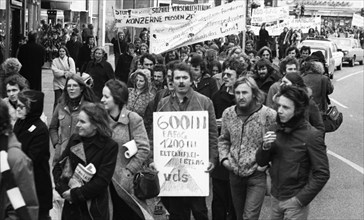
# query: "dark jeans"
44,215
180,208
248,194
57,96
222,204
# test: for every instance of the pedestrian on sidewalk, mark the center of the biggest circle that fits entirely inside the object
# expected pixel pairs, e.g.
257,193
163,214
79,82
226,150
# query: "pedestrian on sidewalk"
31,56
62,67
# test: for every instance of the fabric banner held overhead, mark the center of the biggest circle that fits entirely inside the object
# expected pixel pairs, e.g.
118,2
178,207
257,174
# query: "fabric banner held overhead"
213,23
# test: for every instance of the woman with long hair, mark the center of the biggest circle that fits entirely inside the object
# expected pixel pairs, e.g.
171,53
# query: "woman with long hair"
90,151
62,67
100,70
140,95
33,135
63,123
126,126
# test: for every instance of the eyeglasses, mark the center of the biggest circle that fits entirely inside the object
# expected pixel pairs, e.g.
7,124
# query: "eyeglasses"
20,106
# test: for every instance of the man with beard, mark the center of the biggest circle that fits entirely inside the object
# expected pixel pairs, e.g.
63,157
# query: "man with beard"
242,129
159,73
266,75
297,154
184,98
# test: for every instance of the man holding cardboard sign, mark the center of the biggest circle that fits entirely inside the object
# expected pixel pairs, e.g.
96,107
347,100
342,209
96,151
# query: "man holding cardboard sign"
190,141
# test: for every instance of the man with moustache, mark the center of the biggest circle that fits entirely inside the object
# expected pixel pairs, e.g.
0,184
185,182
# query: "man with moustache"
242,129
184,98
297,153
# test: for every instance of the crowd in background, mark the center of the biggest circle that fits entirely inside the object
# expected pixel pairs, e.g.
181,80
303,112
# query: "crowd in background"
103,107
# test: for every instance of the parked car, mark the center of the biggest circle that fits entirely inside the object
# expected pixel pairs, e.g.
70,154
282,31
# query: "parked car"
336,53
351,49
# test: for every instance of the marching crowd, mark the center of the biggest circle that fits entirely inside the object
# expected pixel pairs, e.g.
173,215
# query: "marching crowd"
266,129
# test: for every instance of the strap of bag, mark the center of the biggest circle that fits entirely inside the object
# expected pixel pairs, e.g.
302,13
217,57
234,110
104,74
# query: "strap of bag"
324,92
130,137
12,190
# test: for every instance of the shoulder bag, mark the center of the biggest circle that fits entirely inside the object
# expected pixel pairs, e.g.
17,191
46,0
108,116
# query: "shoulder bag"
146,181
332,117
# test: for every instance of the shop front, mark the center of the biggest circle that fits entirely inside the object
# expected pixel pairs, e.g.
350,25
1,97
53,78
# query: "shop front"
335,14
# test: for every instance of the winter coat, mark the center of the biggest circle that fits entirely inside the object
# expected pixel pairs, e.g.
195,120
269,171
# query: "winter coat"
195,102
62,126
59,69
22,170
31,56
138,102
122,68
263,38
33,135
100,72
102,153
321,87
239,140
207,86
299,163
74,50
121,134
84,56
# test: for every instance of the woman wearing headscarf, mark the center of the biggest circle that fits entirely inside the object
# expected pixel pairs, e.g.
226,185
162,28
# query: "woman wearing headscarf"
62,67
126,126
63,123
92,148
33,135
139,96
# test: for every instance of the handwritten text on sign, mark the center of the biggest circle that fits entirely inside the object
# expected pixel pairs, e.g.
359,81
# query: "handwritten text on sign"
213,23
181,152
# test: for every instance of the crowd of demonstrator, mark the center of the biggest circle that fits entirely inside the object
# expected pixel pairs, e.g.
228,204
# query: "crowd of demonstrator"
265,121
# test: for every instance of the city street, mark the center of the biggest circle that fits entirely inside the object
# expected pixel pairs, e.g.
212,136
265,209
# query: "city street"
343,196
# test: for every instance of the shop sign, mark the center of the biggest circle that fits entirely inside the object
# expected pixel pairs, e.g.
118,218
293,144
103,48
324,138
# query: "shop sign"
329,3
17,3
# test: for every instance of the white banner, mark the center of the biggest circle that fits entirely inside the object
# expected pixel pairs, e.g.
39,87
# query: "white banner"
213,23
357,21
144,17
181,152
262,15
276,28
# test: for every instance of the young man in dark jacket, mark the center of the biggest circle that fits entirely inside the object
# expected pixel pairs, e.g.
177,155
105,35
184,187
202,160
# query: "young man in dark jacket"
297,152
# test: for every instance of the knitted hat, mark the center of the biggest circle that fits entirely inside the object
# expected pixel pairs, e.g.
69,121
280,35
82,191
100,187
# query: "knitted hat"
295,79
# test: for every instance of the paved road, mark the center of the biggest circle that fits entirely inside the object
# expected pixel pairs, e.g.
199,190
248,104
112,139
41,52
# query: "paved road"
343,196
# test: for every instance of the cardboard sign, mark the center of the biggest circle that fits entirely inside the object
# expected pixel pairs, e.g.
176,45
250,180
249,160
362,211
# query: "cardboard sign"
144,17
213,23
181,152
